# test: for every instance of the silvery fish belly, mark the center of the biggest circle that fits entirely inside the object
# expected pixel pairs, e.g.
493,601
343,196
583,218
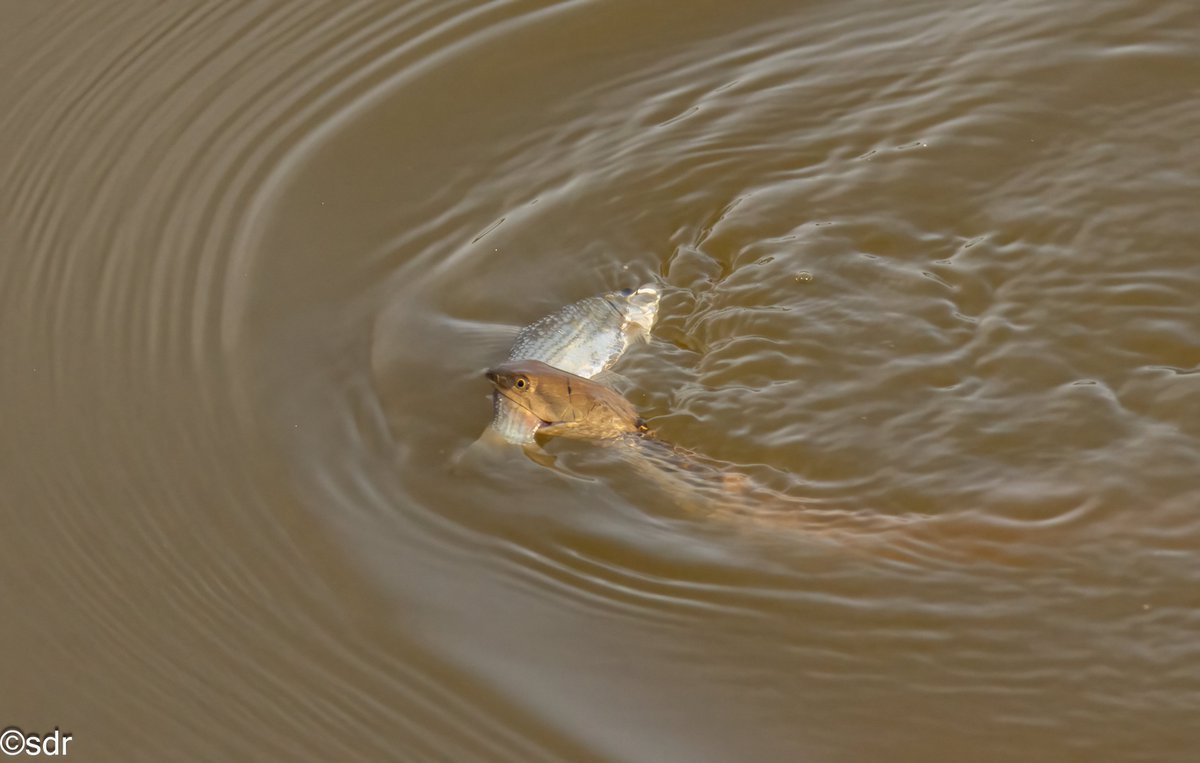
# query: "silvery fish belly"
584,338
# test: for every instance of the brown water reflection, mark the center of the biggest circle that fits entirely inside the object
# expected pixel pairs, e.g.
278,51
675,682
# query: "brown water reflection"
929,274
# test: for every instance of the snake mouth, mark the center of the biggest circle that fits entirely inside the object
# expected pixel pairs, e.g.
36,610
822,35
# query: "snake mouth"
518,402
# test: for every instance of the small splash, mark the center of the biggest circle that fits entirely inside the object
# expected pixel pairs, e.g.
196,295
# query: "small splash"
936,279
679,117
488,230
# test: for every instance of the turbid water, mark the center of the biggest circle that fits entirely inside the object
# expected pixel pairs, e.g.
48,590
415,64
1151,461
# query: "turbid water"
929,279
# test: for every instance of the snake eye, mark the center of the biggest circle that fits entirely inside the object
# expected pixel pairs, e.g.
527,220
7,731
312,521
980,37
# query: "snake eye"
521,382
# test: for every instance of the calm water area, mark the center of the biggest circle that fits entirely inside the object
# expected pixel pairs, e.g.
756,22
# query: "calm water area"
929,274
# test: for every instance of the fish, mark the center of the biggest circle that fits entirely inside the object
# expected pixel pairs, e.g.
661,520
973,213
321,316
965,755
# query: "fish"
565,404
583,338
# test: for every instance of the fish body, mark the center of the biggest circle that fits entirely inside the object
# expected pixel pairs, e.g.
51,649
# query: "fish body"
582,338
565,404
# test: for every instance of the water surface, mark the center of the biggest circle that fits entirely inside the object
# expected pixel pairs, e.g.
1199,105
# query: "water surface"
929,276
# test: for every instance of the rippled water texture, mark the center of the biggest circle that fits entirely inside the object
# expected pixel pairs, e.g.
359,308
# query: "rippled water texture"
929,275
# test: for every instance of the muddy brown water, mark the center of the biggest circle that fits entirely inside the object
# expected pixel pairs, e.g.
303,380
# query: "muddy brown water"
930,276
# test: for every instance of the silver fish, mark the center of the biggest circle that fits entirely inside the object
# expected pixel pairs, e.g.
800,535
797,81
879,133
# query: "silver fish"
583,338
